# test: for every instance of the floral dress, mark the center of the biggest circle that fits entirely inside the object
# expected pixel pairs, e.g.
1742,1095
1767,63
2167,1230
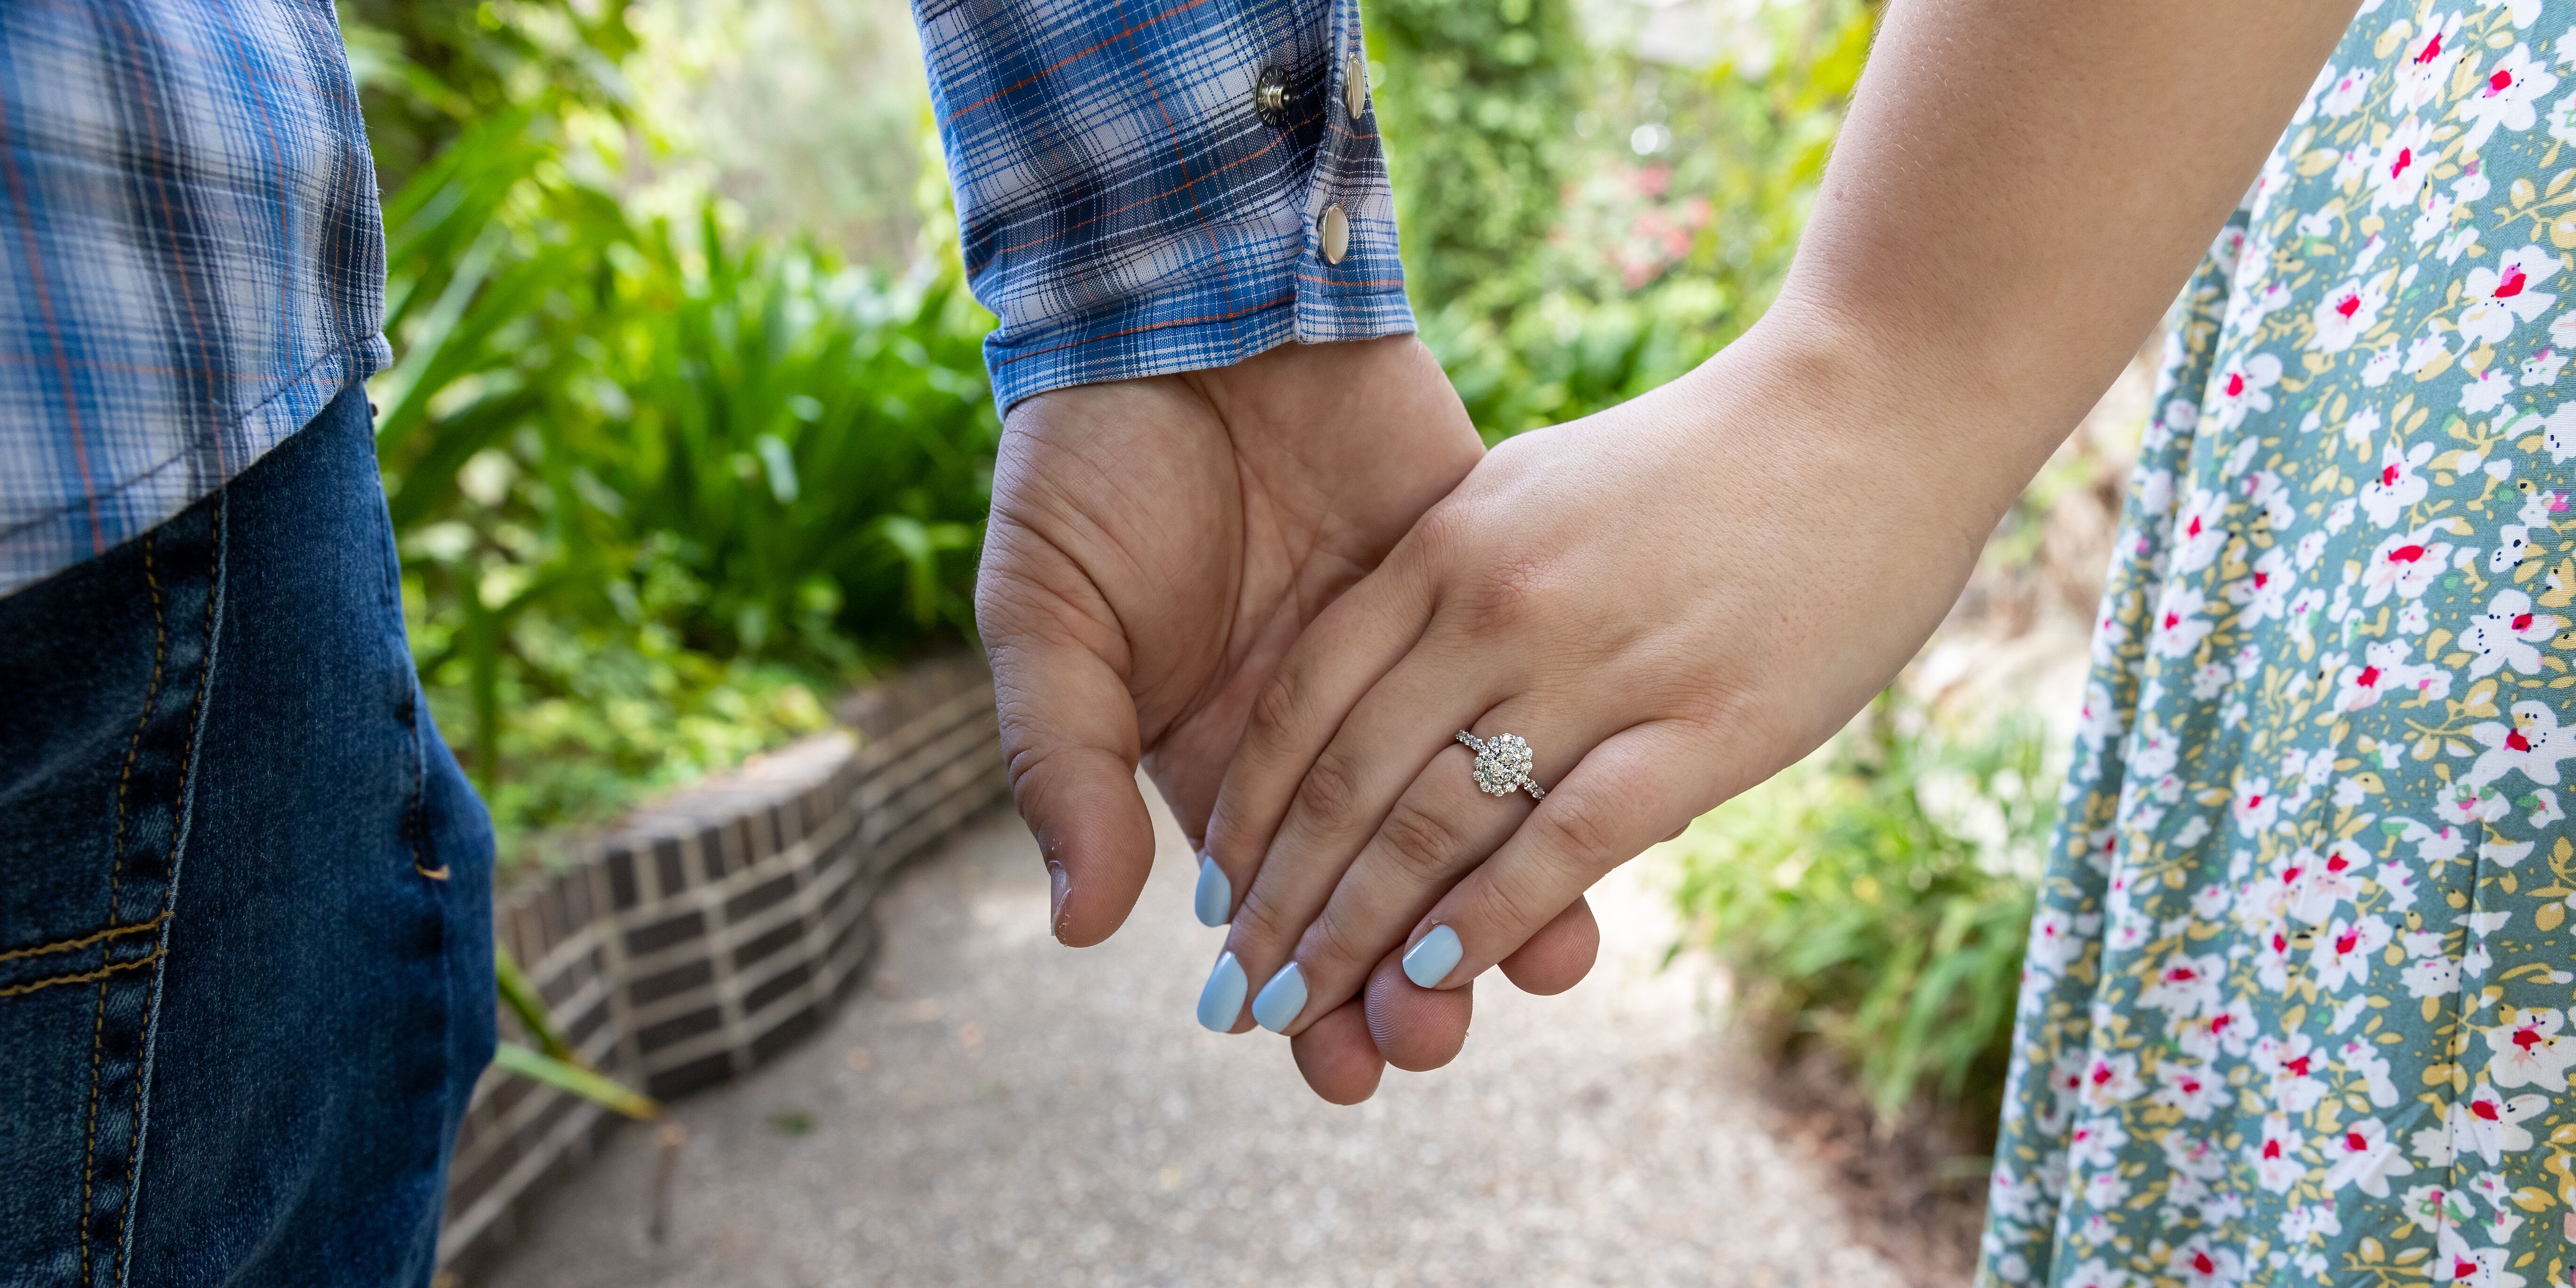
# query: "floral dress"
2297,1002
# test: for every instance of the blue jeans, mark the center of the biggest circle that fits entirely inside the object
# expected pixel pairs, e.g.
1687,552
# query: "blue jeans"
245,900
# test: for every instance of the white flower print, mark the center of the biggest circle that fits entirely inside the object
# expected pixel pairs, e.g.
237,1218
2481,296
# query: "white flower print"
2540,506
2486,391
2542,368
2265,589
2543,804
2345,93
2343,953
2199,1264
2531,746
2500,296
2244,387
2424,65
2179,626
2190,1088
2529,1052
2228,1028
2185,986
2400,483
2363,1155
2509,633
2431,977
2435,1209
2275,1155
2365,1062
2199,530
2490,1126
2424,352
2254,807
2291,1064
2384,672
2347,313
2110,1080
2380,366
2095,1273
2404,564
2463,1266
2505,98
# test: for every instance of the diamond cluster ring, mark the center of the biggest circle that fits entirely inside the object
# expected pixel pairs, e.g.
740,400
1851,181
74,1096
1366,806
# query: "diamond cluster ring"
1503,764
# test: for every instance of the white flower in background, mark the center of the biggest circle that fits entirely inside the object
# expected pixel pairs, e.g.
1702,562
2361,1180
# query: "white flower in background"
2404,565
2505,98
2509,633
2532,746
2399,484
2529,1052
2347,313
2500,296
2241,387
2363,1155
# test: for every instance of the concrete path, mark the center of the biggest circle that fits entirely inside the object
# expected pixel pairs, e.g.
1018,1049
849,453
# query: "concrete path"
993,1109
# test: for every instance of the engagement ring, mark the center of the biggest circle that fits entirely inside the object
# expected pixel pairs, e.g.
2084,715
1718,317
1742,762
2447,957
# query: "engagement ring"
1503,764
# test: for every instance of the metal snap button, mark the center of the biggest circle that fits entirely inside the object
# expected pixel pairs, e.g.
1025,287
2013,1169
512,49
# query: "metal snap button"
1270,97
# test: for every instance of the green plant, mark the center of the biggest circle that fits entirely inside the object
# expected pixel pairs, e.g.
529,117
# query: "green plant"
1876,897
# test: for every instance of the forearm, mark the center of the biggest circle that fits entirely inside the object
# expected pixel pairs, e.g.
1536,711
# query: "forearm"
2020,189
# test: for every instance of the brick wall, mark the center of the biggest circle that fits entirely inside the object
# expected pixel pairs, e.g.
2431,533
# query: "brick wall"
718,925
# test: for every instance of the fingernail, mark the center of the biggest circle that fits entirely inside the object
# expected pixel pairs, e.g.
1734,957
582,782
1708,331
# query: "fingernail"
1057,884
1222,1000
1215,895
1429,962
1281,1000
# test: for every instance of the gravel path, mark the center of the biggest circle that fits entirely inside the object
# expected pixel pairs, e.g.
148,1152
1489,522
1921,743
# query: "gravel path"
992,1109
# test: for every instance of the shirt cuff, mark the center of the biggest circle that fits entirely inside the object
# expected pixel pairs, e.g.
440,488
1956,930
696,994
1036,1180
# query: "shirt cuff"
1145,191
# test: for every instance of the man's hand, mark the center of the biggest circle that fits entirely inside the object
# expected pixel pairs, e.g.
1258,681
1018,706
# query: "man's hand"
1155,547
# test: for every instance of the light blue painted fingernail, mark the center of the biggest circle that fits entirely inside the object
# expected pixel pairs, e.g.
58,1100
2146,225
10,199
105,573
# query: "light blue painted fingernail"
1222,1000
1281,1000
1215,895
1429,962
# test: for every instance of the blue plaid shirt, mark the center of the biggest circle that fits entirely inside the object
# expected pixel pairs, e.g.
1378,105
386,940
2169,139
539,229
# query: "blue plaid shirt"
191,258
1128,208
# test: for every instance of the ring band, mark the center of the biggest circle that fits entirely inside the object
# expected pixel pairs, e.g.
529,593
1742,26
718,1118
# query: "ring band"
1503,765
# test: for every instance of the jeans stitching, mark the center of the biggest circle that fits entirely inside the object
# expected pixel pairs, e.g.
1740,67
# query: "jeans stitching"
66,945
115,878
78,977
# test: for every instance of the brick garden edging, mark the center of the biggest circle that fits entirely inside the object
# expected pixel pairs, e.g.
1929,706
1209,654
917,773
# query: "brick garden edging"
718,925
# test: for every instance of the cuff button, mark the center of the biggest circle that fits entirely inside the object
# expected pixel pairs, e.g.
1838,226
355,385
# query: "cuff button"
1270,97
1335,230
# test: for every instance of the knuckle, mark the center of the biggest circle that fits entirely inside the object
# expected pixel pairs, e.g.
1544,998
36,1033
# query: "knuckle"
1260,923
1582,832
1505,596
1275,711
1335,944
1420,844
1329,796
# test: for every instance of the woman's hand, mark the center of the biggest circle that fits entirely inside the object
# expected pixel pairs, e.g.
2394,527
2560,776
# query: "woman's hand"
1670,601
1155,546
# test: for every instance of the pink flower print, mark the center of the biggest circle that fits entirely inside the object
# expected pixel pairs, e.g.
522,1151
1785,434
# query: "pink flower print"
2529,1052
2458,1265
2385,672
2229,1029
2541,369
2531,746
2095,1142
2398,484
2508,633
2200,530
2540,506
2504,100
2404,565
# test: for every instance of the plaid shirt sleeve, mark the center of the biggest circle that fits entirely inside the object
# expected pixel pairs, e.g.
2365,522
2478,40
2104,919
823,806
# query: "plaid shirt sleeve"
1161,187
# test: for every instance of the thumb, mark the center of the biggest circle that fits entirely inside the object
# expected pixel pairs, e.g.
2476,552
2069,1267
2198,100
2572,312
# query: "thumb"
1069,738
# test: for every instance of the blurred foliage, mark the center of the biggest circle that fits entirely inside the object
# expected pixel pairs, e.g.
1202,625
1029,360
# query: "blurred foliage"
1876,898
428,69
1581,227
656,484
